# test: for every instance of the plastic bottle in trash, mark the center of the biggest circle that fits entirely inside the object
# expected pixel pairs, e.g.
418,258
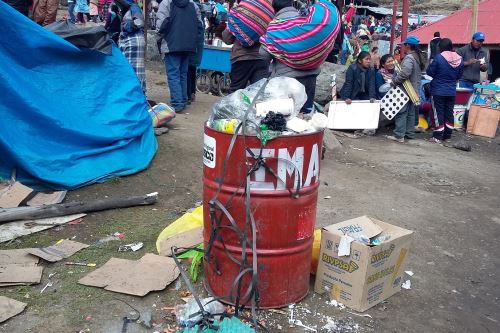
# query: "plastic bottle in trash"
226,125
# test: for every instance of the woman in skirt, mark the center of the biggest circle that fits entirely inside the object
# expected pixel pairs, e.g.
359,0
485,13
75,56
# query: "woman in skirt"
132,42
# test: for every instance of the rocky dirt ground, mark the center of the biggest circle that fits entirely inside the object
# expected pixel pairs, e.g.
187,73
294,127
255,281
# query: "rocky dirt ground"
450,198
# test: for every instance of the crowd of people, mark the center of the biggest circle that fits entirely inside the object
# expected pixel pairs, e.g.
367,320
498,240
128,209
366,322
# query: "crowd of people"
371,77
256,30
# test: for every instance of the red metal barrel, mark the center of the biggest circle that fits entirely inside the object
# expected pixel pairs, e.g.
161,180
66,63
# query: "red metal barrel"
284,222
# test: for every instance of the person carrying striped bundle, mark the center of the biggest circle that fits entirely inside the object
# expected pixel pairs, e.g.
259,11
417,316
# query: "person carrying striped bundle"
297,45
245,24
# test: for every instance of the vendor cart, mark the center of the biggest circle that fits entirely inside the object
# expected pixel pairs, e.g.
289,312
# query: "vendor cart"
214,69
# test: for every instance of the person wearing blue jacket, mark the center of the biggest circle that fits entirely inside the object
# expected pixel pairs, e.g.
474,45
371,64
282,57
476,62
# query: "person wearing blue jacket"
445,70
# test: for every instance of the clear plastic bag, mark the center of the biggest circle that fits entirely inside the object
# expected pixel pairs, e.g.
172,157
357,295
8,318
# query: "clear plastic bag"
235,105
189,314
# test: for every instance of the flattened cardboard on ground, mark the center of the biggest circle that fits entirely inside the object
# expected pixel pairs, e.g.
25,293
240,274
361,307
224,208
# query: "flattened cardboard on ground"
13,274
17,256
369,274
186,239
134,277
47,198
9,308
13,230
13,195
61,250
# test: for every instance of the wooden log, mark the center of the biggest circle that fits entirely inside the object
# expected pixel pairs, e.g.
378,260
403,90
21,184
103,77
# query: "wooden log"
62,209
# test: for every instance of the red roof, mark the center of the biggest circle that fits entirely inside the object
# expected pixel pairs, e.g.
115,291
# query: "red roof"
457,26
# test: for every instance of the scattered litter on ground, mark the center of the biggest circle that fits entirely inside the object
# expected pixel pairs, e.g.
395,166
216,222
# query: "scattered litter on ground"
18,257
277,311
336,304
72,263
410,273
9,308
228,325
360,149
131,247
75,222
134,277
13,195
196,257
61,250
185,239
330,325
13,230
114,237
146,319
187,222
18,267
328,197
49,284
88,318
360,314
406,285
47,198
299,323
178,284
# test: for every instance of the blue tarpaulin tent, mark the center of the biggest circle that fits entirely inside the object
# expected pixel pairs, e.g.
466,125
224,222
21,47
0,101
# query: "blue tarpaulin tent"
69,117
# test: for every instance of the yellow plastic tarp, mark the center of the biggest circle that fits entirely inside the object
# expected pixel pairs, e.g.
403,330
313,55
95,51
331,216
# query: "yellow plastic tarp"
186,222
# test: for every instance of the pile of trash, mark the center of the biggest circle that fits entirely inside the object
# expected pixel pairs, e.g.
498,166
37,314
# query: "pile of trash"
268,109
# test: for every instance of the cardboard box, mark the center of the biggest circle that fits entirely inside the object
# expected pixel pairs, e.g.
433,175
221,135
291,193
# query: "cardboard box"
483,121
369,274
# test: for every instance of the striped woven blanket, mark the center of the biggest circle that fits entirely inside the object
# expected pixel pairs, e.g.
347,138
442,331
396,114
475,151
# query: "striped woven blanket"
304,42
249,20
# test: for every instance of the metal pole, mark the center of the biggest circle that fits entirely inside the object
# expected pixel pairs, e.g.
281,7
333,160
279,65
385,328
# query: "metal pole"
404,23
475,7
393,25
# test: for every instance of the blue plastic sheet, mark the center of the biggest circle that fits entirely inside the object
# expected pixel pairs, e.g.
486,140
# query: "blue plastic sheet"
68,117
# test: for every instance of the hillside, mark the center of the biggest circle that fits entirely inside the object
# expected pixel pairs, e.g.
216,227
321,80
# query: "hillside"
431,6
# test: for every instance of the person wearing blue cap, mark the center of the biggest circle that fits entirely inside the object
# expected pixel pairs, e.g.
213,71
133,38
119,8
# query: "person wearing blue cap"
476,59
412,66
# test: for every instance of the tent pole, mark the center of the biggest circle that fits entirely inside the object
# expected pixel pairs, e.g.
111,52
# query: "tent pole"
393,26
